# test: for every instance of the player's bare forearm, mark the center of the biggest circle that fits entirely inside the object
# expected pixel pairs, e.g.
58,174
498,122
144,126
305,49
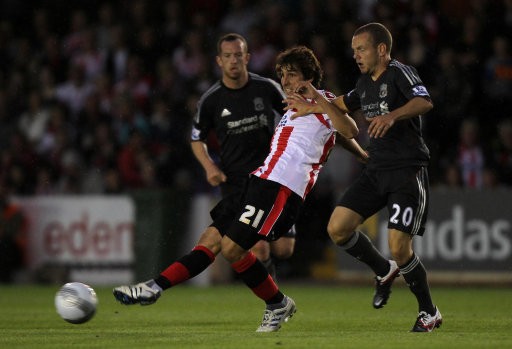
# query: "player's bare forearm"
214,175
342,122
354,147
416,106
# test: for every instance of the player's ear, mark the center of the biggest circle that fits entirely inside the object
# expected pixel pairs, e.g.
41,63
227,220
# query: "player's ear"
381,49
247,57
218,60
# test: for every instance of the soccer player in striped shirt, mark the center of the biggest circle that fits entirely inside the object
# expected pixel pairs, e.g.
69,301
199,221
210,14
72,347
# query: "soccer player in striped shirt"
275,191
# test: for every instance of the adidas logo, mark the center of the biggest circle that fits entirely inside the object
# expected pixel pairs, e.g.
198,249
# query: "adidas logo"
225,112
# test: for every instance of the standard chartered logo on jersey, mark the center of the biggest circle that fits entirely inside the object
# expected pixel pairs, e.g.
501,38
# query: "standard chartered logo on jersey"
247,124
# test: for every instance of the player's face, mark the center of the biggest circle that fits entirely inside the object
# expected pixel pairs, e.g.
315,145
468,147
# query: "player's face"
365,53
290,78
233,59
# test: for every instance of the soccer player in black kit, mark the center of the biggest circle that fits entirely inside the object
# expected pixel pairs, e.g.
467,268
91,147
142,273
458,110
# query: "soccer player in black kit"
392,98
241,109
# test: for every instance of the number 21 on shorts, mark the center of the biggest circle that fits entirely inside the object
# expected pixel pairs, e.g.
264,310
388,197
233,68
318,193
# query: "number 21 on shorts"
251,216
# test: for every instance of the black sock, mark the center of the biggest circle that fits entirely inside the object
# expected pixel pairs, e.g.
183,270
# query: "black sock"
415,275
361,247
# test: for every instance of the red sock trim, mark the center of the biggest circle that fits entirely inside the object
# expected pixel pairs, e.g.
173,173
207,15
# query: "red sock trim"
205,250
245,263
176,273
267,289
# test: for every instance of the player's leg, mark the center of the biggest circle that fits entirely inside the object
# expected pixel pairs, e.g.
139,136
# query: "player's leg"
342,230
269,210
262,251
415,276
408,208
281,248
185,268
279,308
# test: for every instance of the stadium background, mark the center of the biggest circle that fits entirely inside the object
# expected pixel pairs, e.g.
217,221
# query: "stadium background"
96,100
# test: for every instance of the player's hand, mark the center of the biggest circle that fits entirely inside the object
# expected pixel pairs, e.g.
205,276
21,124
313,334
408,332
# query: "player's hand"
215,177
296,101
298,104
380,125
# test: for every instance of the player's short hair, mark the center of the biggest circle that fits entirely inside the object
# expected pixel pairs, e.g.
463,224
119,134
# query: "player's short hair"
379,34
303,59
231,37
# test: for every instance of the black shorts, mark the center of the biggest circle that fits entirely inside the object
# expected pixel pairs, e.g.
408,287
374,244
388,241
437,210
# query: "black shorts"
268,212
228,208
404,191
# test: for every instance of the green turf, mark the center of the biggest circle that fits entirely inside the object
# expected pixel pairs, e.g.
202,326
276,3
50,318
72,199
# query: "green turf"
227,316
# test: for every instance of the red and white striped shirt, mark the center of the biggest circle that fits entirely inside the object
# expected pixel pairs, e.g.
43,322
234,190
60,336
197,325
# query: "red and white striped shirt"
298,150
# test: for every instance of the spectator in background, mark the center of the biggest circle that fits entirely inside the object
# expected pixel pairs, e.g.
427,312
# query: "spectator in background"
13,226
74,39
453,96
32,122
502,152
263,53
127,117
90,57
135,166
118,53
241,15
74,91
452,177
104,25
497,84
190,58
470,154
136,84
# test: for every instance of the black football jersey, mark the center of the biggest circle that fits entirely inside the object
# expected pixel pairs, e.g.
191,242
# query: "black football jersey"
403,144
243,120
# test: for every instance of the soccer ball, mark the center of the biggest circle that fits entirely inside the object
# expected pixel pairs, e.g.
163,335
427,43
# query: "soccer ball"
76,302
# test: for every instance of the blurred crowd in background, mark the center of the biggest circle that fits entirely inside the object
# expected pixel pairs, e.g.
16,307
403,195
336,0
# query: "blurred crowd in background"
98,96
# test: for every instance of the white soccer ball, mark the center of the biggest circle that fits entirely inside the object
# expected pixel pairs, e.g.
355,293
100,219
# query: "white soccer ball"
76,302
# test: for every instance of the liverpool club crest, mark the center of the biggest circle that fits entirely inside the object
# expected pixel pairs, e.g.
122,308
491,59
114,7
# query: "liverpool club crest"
383,90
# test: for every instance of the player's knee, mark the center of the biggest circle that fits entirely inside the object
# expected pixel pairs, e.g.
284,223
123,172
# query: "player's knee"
211,239
261,250
283,251
338,232
230,250
400,253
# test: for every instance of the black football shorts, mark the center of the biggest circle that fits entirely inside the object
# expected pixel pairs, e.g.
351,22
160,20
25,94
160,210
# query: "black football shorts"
227,209
268,211
404,191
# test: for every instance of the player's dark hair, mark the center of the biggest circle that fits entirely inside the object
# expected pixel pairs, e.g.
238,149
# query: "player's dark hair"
302,59
379,34
231,37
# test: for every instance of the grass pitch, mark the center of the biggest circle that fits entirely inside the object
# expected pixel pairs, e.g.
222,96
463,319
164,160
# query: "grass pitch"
227,317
